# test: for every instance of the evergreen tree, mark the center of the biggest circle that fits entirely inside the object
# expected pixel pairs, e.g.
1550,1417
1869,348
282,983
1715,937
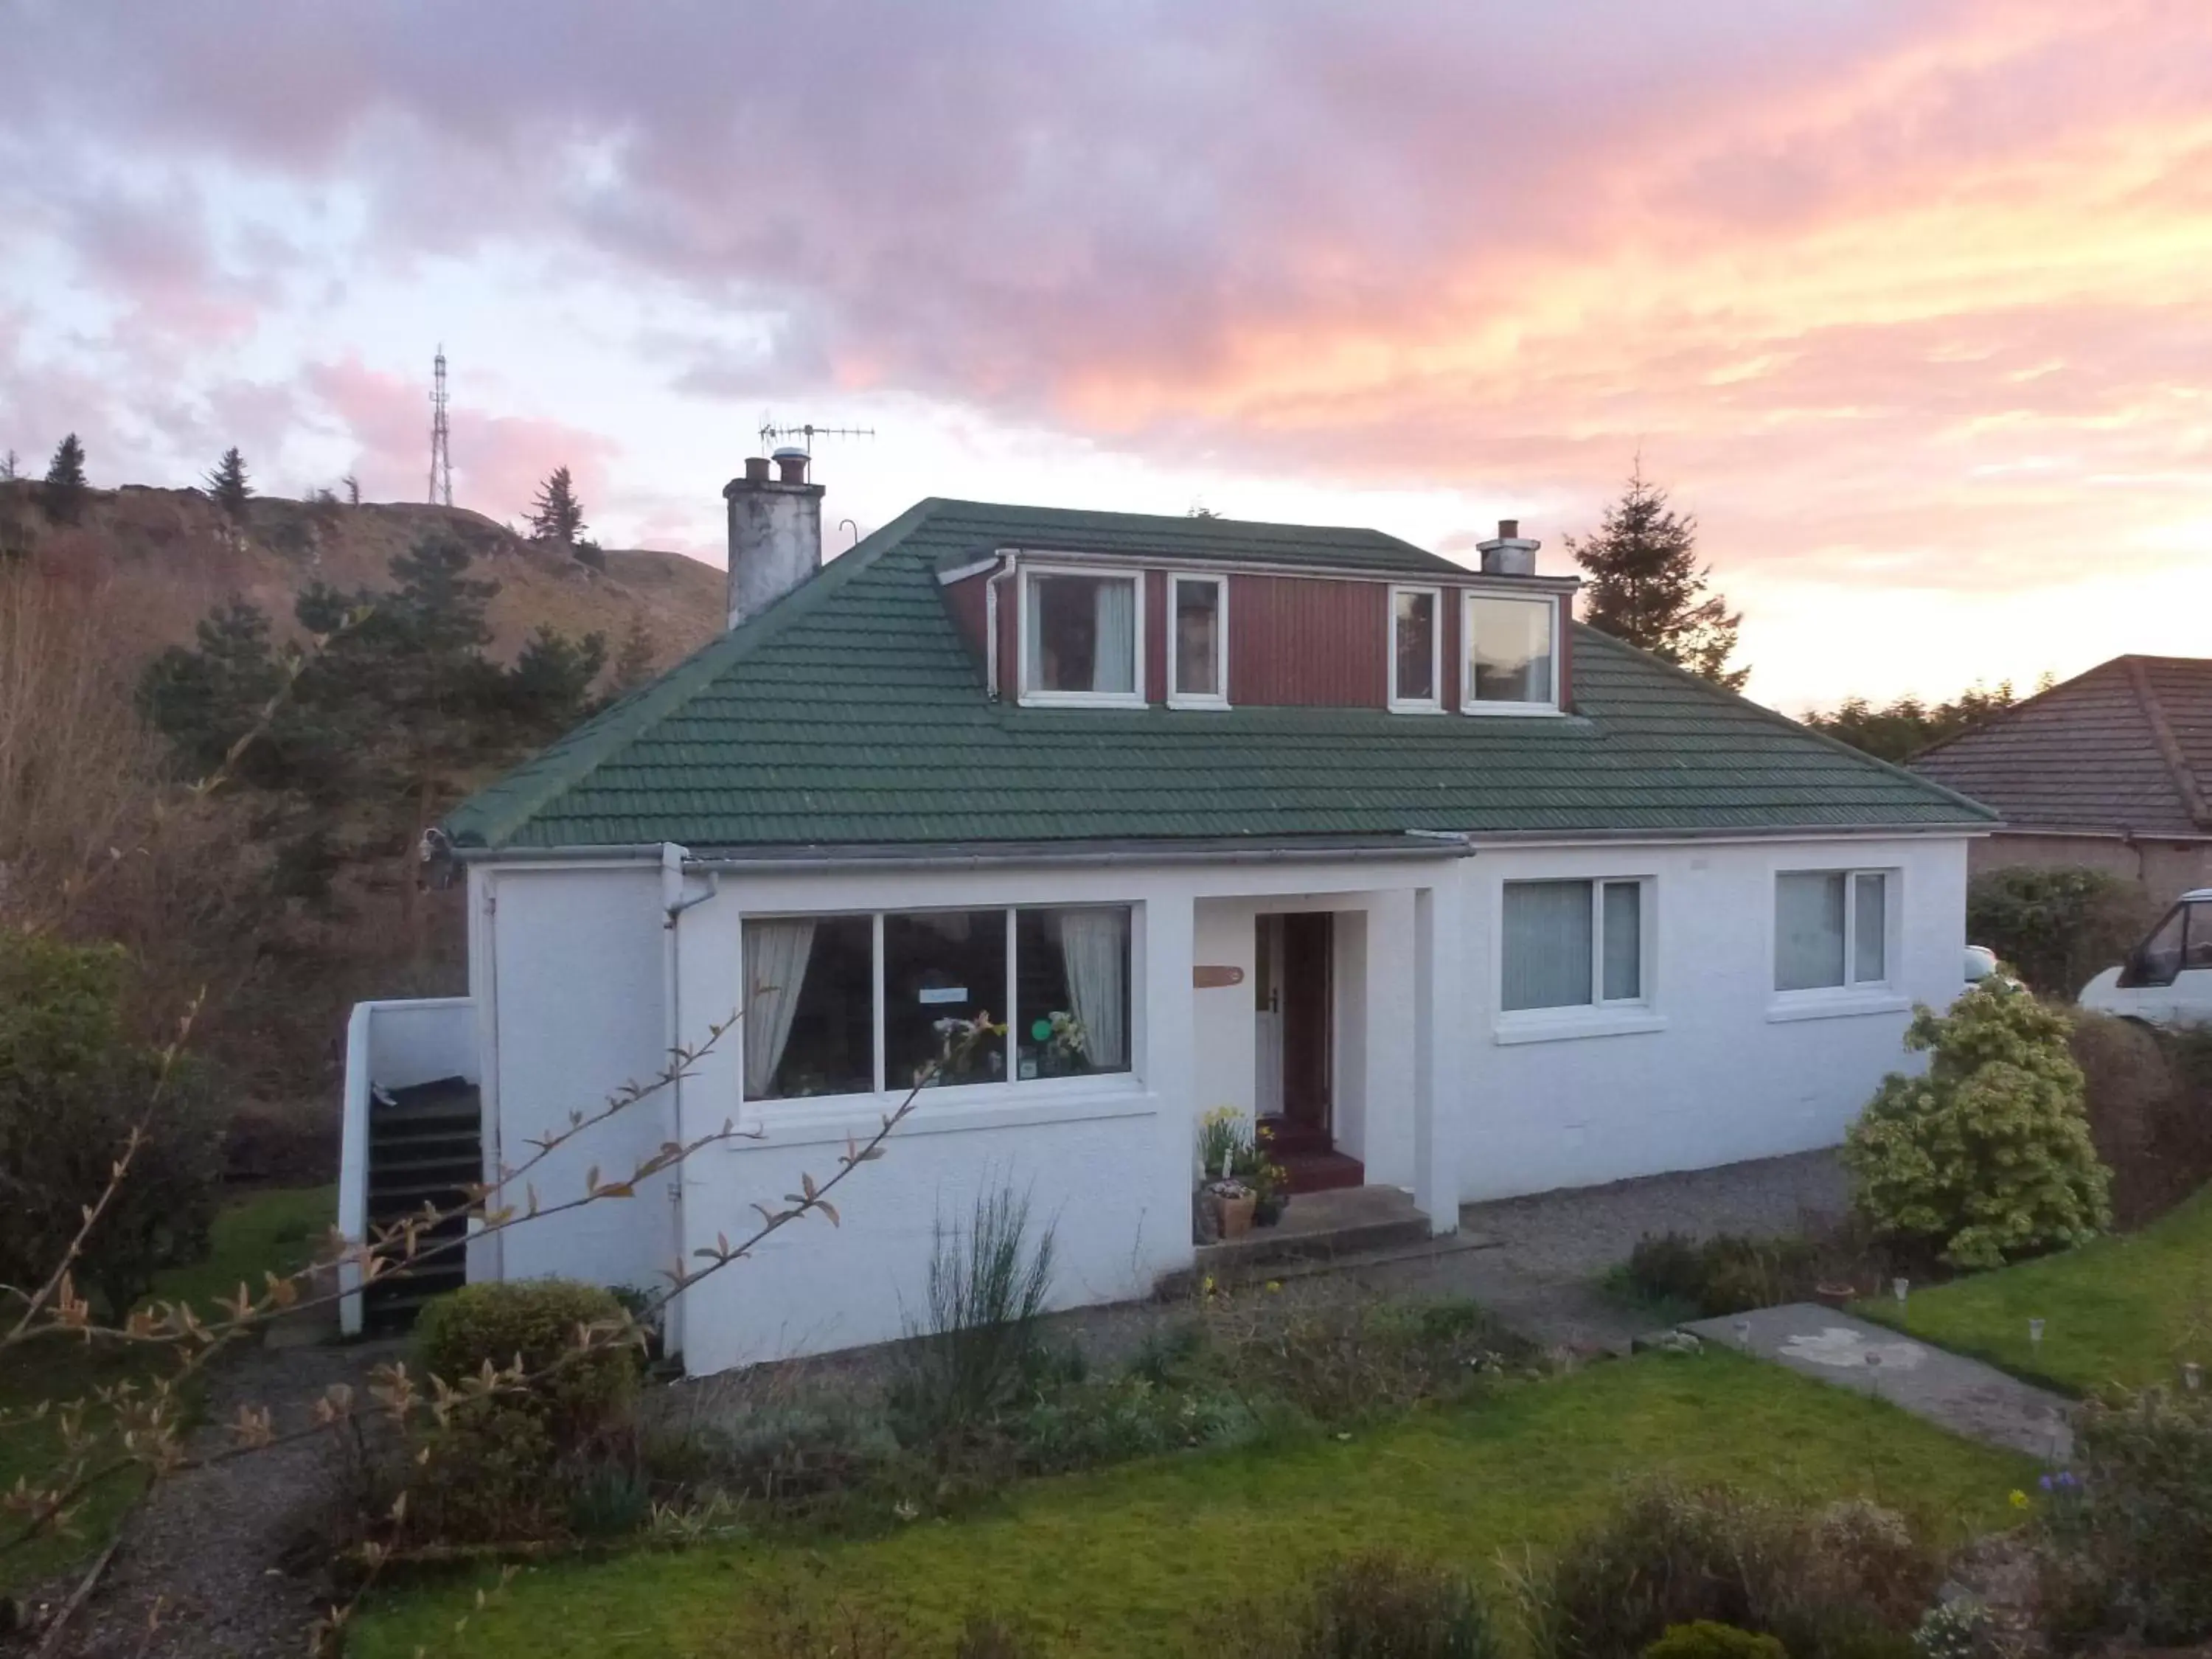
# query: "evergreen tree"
11,467
352,490
1900,730
557,515
634,663
63,497
229,485
204,700
1647,588
551,684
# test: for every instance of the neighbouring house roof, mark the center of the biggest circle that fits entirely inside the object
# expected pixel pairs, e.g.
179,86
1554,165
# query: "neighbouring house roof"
2126,747
852,711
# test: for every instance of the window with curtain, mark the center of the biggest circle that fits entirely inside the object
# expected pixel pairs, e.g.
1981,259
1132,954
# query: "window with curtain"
1508,651
941,966
1414,652
808,1025
1080,636
1571,944
1199,639
1831,929
1071,992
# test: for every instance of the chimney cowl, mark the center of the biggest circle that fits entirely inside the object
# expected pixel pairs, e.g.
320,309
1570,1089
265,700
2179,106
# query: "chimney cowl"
790,465
756,469
1510,553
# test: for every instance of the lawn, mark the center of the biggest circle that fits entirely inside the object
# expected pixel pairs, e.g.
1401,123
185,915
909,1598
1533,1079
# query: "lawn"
276,1231
1126,1561
2125,1311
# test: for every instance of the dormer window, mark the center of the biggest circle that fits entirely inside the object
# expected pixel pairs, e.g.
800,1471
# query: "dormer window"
1082,638
1197,620
1416,651
1512,656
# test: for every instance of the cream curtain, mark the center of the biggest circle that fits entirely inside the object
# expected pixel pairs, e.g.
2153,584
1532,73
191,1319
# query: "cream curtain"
1094,951
775,969
1547,944
1113,668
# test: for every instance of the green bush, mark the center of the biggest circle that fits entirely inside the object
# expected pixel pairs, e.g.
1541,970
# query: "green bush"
2129,1541
72,1088
989,1285
1704,1639
1725,1275
1988,1156
1844,1583
576,1393
2057,928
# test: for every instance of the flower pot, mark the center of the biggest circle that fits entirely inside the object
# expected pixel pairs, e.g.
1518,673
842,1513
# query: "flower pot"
1235,1213
1835,1296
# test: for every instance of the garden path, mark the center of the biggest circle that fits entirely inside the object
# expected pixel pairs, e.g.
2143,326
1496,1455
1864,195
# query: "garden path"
1963,1395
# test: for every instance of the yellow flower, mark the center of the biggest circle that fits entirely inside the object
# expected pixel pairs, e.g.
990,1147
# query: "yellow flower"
1274,1285
2018,1500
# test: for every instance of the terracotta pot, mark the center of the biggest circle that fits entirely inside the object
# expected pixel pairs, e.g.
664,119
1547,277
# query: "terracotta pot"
1235,1213
1835,1296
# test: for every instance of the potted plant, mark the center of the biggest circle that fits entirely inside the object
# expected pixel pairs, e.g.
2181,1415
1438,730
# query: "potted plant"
1270,1180
1234,1201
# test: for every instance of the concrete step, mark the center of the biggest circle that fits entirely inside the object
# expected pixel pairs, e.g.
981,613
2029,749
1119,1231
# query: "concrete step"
1320,1228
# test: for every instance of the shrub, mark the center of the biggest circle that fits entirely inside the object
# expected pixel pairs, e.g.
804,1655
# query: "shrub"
987,1289
72,1088
2128,1544
1954,1629
1987,1157
1838,1583
2057,926
1704,1639
575,1391
2146,1096
1375,1606
1725,1275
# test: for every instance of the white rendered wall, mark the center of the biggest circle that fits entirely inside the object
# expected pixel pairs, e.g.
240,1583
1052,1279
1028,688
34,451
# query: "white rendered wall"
577,1011
1732,1072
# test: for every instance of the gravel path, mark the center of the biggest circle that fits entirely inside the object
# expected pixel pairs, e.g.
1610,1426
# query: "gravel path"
202,1568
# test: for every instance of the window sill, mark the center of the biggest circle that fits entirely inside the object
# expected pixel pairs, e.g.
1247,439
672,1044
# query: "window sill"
1562,1025
1082,700
1396,707
1510,710
1192,700
1834,1005
836,1118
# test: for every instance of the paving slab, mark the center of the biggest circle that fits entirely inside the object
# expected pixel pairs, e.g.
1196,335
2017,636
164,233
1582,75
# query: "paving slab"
1963,1395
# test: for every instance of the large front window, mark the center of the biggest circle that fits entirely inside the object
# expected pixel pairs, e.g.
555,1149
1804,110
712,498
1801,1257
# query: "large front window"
1510,654
854,1004
1572,945
1831,929
1081,637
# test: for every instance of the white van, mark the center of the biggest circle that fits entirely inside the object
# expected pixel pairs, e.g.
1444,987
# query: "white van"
2167,979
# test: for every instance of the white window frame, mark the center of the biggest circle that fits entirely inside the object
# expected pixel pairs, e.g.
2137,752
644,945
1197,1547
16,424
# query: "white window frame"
1853,995
1469,703
1434,702
1036,697
1219,698
1600,1015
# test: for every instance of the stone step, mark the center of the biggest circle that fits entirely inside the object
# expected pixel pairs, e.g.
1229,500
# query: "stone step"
1316,1228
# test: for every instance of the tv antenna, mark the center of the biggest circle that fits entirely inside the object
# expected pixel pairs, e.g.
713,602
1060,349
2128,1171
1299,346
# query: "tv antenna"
807,433
441,458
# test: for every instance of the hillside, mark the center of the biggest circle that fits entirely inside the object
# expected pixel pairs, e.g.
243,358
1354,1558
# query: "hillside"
164,557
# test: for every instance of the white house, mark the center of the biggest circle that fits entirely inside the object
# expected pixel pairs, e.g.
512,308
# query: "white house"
1472,900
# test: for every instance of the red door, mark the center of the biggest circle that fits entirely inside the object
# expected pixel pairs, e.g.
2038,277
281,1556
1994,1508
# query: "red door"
1307,937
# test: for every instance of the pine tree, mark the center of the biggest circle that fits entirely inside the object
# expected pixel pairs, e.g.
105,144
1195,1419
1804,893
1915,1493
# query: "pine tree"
11,467
634,663
63,497
227,483
557,515
1647,588
352,490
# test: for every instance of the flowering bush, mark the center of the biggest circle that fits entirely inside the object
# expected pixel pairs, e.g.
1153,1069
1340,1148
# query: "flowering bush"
2128,1544
1987,1157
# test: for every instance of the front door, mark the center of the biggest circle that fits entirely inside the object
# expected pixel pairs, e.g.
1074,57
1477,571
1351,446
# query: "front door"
1304,994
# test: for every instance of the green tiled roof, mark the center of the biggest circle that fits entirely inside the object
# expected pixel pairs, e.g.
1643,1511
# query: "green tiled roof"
852,713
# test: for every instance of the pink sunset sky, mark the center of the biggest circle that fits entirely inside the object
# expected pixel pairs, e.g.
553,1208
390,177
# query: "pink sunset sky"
1909,300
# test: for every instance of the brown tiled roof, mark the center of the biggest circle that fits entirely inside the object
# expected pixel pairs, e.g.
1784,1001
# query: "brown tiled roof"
2126,746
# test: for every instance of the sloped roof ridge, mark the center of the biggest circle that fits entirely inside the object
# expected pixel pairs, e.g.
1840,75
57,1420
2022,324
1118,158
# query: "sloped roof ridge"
1776,717
2169,745
570,761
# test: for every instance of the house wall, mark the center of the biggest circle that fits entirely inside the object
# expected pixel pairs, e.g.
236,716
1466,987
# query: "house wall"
1718,1069
575,1010
2164,869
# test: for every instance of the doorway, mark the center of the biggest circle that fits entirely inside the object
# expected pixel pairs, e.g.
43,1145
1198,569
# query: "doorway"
1293,997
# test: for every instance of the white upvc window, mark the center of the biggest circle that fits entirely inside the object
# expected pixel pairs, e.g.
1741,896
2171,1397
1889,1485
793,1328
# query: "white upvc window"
1834,930
1577,943
1198,641
1416,650
1083,636
1511,652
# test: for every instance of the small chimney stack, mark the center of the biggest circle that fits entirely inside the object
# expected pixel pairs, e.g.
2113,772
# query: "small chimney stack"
775,532
1510,553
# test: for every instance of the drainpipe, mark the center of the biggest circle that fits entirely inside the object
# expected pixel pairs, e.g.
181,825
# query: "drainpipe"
673,904
991,619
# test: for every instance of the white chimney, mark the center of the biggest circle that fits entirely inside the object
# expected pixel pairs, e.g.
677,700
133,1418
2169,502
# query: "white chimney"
1511,554
775,532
